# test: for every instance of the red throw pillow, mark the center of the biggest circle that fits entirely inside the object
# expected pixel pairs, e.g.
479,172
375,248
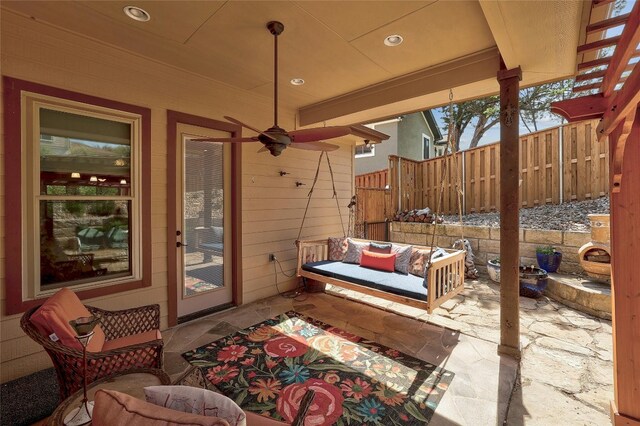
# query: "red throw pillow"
379,261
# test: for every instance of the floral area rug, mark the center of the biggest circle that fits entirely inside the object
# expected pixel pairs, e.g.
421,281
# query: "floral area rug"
268,367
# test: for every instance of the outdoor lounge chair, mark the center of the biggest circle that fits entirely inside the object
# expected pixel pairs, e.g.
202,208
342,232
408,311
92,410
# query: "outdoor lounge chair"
128,339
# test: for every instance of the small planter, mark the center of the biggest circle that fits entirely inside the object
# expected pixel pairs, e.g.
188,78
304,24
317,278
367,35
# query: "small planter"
533,281
493,268
548,258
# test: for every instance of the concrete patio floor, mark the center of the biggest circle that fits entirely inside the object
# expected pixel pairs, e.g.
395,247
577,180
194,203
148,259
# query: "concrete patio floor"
565,377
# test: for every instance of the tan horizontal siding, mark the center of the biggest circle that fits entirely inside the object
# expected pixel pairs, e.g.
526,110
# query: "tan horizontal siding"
272,205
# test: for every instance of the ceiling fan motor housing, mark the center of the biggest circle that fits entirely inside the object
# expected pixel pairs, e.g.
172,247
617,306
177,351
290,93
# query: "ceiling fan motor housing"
276,28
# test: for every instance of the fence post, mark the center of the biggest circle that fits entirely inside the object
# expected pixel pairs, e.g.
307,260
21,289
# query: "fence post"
364,231
561,162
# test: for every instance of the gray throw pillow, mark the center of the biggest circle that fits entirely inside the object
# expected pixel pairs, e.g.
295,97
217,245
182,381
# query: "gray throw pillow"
354,251
403,257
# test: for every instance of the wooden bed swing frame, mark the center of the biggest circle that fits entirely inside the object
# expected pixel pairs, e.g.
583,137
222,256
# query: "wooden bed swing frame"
444,275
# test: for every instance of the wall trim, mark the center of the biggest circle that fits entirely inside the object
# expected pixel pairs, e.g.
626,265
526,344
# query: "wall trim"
173,119
12,88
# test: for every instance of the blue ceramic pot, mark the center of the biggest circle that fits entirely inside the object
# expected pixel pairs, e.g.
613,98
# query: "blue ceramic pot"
549,262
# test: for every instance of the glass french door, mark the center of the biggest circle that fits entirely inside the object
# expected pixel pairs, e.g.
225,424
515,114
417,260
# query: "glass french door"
203,211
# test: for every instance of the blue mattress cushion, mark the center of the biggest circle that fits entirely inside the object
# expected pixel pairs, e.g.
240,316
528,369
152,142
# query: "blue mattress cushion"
390,282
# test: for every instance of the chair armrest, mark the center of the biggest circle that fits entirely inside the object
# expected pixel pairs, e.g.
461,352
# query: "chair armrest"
126,322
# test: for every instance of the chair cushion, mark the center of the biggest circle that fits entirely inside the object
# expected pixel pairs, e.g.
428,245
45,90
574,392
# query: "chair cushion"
193,400
112,408
379,261
54,315
134,339
254,419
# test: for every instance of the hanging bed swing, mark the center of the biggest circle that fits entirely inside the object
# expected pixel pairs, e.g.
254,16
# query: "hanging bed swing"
420,276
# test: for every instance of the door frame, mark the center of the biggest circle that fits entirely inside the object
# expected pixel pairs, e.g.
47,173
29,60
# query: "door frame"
173,119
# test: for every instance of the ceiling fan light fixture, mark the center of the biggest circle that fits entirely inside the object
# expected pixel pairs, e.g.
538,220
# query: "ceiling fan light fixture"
297,81
393,40
136,13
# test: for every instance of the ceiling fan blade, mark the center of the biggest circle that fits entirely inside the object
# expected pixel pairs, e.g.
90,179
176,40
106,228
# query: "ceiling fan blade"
319,133
252,139
240,123
315,146
263,149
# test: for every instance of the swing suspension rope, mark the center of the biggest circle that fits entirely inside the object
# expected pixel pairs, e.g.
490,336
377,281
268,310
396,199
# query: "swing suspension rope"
448,152
335,195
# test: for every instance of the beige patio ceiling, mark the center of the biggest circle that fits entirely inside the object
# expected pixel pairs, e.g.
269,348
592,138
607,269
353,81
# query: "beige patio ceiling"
337,47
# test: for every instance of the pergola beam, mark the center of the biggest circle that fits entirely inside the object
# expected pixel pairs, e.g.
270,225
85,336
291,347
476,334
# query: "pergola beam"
607,23
626,46
600,44
602,61
622,104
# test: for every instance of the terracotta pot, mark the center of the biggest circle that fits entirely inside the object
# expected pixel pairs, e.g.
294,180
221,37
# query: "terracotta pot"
595,256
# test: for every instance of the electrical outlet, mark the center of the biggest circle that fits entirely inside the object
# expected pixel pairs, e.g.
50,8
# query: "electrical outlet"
272,257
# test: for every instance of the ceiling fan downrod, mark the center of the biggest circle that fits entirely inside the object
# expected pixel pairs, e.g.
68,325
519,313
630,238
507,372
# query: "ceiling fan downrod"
276,28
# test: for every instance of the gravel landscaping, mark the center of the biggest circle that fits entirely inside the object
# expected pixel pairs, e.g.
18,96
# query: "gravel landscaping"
564,217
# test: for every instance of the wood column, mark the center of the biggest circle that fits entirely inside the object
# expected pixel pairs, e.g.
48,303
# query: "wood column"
625,278
509,209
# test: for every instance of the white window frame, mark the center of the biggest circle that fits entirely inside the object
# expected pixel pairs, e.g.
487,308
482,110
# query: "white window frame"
426,138
372,153
31,103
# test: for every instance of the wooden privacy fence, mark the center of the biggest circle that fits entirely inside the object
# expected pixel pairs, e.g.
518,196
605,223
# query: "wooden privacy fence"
559,164
373,207
377,179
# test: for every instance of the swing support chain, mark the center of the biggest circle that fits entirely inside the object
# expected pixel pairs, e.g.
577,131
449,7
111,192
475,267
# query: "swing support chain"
335,195
448,152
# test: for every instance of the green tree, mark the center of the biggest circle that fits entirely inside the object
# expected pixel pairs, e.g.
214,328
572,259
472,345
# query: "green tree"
483,114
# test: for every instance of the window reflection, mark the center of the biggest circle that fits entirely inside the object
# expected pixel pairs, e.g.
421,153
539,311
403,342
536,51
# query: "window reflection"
83,240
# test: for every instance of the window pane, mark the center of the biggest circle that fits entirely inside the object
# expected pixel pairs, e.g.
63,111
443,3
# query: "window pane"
82,155
203,217
84,241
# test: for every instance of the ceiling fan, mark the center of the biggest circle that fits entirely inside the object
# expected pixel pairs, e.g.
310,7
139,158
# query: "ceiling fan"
275,139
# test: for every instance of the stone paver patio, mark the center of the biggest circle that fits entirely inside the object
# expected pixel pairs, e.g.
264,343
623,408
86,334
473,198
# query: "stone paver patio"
565,376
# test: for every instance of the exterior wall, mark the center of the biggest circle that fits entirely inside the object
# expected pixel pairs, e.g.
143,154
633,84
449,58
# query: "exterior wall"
410,131
272,205
383,150
485,242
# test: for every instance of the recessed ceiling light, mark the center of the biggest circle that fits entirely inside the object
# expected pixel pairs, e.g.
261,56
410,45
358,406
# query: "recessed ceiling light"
297,81
393,40
136,13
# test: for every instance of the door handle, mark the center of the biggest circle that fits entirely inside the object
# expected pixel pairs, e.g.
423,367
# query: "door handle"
179,244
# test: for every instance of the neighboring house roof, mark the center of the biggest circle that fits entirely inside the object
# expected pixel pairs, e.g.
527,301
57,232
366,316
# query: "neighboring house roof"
431,122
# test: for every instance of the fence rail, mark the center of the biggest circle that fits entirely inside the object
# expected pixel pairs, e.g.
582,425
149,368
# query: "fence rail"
559,164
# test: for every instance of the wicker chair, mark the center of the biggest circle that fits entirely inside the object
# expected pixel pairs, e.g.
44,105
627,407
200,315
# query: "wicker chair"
115,324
